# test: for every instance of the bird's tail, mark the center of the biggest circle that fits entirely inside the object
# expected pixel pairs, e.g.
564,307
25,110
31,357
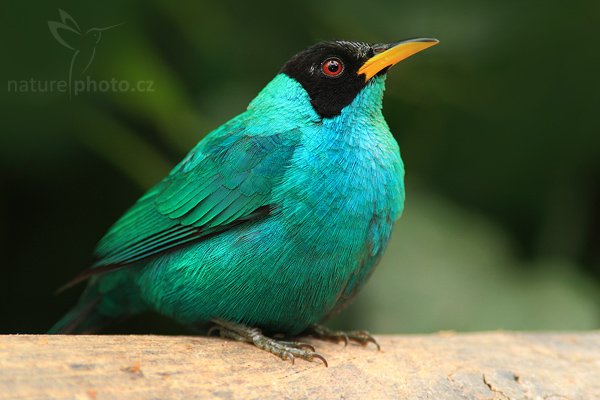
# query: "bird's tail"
85,317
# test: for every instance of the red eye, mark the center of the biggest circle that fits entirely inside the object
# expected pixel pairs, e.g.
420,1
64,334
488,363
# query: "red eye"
332,67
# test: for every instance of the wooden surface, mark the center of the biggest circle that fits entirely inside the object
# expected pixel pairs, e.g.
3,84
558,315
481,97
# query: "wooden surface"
495,365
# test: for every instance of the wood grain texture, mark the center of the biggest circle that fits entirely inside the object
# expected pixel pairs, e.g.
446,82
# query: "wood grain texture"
496,365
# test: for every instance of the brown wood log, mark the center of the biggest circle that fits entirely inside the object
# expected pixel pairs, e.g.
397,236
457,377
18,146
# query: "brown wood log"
497,365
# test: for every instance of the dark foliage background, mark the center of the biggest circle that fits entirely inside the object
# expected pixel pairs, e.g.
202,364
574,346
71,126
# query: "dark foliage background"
499,127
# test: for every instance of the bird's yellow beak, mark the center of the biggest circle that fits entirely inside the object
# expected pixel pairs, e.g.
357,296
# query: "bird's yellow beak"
389,54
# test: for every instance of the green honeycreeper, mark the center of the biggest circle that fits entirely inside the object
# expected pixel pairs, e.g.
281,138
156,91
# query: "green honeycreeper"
273,221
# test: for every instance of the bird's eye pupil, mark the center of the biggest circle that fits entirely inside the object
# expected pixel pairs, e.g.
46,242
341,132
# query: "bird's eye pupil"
332,67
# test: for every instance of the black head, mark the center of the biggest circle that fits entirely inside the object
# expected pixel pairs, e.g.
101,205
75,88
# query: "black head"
333,73
328,71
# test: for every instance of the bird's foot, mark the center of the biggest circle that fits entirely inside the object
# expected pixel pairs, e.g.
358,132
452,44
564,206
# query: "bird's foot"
286,350
361,337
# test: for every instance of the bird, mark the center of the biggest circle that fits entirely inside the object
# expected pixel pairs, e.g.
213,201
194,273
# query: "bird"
82,43
273,222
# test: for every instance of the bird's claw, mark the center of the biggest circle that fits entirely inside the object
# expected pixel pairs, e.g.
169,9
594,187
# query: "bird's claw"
360,337
291,353
286,350
297,345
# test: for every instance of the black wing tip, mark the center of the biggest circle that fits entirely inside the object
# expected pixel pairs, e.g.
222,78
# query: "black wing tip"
88,273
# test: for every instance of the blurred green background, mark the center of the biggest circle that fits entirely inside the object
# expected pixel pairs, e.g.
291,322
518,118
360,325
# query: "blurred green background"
499,128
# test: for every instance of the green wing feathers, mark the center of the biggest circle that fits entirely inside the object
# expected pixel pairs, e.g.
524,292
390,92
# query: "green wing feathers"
224,181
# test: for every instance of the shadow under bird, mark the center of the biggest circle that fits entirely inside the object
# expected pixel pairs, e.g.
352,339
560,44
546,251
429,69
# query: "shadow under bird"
274,221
